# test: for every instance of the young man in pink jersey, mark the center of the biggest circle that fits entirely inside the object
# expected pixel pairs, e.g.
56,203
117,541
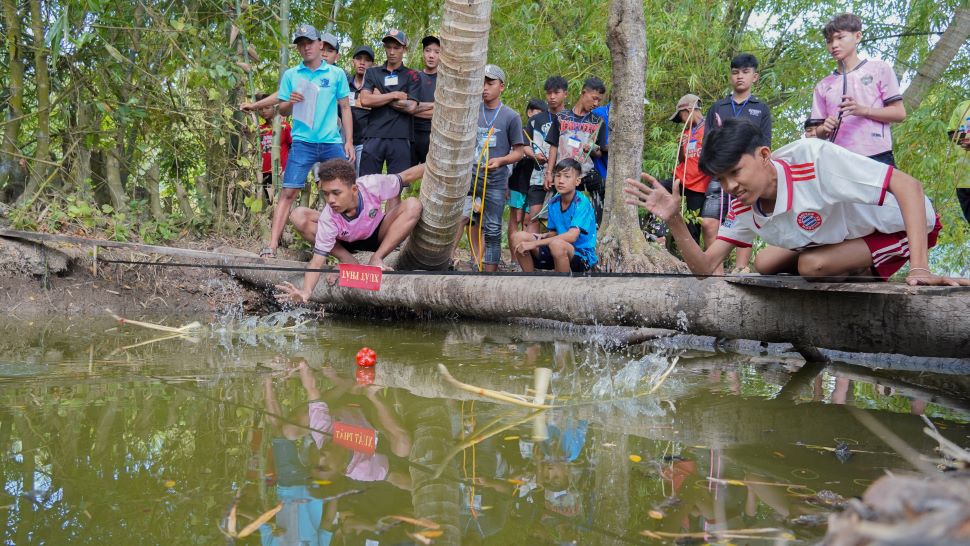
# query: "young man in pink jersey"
353,220
854,105
824,211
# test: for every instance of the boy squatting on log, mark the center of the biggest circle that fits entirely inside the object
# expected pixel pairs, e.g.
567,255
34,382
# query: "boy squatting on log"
824,211
352,221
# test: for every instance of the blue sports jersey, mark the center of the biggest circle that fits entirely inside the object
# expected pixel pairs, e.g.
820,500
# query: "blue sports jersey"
579,215
332,84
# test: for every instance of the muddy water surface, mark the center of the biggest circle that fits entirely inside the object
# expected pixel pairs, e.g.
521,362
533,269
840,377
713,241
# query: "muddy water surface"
250,433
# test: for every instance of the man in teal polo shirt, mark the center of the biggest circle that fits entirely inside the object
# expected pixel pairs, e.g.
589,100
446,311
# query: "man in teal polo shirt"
316,136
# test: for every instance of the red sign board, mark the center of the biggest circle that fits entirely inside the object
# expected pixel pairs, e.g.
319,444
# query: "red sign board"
359,439
366,277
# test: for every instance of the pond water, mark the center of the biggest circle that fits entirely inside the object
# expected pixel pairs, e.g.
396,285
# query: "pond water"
188,440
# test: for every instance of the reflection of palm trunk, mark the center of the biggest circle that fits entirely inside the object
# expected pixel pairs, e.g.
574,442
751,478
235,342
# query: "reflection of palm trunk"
433,498
612,485
464,38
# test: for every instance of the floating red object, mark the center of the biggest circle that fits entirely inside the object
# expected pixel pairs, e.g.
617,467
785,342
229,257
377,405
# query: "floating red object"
366,357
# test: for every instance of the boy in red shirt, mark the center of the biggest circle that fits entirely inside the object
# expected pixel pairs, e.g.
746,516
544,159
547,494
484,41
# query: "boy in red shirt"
695,182
266,145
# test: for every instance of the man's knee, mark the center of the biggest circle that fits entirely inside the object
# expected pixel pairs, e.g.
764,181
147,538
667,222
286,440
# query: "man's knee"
812,264
411,207
558,247
299,216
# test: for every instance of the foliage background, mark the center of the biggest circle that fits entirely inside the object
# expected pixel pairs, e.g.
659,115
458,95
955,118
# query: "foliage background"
145,141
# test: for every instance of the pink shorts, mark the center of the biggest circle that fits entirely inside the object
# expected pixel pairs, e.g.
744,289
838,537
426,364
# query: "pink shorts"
891,250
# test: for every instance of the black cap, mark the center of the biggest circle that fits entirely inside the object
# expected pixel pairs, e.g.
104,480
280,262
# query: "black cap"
397,36
363,49
430,40
306,31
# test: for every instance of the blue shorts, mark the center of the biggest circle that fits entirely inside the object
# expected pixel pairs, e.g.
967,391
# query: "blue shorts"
302,157
577,264
516,200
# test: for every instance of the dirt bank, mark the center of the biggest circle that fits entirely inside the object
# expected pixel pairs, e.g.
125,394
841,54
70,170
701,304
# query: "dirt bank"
38,280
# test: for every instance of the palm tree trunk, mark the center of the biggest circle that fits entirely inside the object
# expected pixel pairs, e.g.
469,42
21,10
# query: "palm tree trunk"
943,53
464,43
10,173
621,245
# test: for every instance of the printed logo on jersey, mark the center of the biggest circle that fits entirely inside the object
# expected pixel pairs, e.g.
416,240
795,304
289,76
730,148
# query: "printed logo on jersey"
809,220
372,213
866,80
324,83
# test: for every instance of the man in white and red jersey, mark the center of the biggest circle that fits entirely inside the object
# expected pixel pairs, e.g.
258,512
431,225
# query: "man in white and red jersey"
352,221
825,211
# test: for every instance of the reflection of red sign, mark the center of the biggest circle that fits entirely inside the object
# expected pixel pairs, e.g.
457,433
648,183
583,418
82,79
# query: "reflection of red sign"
367,277
359,439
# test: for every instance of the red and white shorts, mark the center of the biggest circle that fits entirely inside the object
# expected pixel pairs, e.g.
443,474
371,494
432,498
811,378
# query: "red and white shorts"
891,250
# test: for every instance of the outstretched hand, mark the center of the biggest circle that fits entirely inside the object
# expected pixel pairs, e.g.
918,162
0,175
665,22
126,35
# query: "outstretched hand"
288,293
653,197
921,277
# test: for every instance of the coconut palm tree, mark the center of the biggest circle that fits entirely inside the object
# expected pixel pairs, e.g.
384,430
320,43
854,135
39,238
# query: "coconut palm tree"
464,45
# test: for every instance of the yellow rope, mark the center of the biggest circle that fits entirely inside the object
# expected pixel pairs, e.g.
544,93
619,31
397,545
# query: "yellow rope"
481,215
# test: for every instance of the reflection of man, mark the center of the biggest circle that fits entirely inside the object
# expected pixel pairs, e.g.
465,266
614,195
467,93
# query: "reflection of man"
959,132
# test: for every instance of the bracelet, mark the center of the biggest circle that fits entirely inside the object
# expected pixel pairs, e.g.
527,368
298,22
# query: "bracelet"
911,269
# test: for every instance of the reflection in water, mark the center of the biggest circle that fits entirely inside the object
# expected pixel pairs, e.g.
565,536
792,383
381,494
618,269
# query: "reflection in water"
181,441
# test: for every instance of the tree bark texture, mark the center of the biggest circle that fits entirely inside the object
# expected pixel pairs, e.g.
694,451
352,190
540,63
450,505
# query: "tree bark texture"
113,179
39,170
464,45
953,38
622,245
866,318
10,172
436,499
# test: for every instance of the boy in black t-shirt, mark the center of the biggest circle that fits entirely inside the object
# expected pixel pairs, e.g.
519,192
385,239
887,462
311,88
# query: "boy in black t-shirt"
579,135
522,173
362,60
739,104
391,92
425,108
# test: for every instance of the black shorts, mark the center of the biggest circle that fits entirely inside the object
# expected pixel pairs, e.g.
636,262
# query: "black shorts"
535,196
709,204
963,195
544,261
396,152
419,148
886,157
370,244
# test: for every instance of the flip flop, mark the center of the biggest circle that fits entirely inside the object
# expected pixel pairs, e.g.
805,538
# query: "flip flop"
267,252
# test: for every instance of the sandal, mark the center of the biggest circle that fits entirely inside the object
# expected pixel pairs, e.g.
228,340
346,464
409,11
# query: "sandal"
267,252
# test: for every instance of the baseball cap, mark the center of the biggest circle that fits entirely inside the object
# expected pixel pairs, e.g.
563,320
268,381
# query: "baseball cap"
493,72
363,49
330,39
305,31
397,36
687,102
430,40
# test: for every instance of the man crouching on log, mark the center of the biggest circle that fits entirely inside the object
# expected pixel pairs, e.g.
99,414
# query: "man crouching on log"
824,211
352,221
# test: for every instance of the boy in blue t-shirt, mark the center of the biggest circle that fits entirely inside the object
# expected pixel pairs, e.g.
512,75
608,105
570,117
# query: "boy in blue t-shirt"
318,140
570,243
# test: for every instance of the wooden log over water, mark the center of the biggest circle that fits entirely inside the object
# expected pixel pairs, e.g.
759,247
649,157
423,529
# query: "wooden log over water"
856,317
